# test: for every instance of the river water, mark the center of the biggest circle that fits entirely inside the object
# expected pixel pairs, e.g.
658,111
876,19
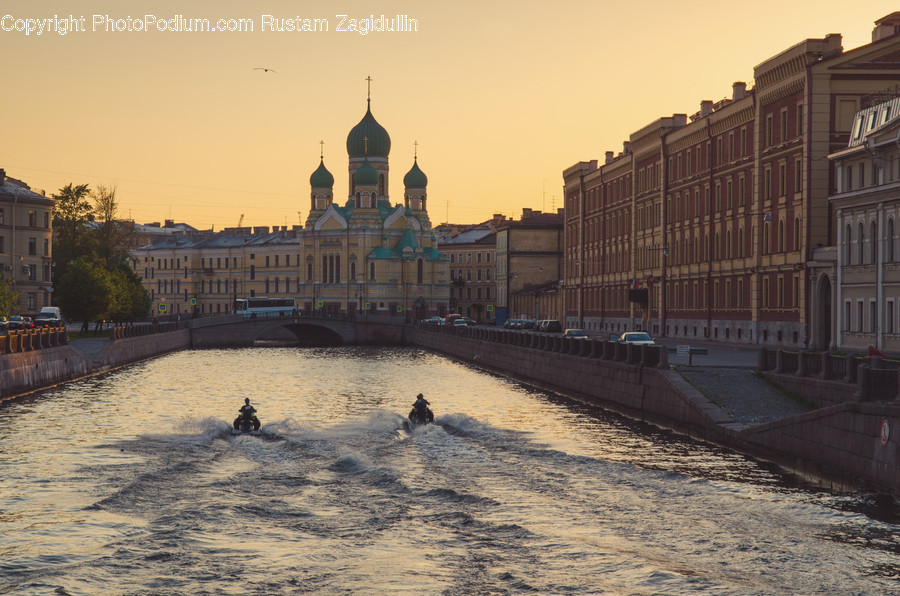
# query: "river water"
131,483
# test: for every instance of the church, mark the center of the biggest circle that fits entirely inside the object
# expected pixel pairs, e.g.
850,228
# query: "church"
369,255
365,256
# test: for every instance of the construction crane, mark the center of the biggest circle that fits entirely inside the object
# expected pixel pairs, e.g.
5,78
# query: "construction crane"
241,220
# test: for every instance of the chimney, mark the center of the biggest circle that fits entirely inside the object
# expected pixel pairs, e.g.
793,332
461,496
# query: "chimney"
886,26
626,147
738,90
2,176
526,212
170,223
610,156
706,108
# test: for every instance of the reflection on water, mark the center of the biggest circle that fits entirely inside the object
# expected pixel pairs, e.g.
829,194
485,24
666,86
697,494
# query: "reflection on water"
132,483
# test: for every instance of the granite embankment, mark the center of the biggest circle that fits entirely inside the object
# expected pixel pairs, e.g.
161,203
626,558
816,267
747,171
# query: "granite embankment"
850,444
29,370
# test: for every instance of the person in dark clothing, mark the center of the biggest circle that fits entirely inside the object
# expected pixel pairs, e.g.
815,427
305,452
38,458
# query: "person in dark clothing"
421,412
247,412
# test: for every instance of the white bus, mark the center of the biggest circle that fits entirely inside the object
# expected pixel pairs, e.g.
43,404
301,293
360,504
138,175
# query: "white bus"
252,308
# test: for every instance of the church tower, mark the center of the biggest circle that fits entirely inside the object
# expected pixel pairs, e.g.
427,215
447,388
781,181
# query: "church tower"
321,183
369,142
415,196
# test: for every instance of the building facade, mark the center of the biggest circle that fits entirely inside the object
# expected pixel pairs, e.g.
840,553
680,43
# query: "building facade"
529,256
365,256
858,288
26,242
472,255
702,227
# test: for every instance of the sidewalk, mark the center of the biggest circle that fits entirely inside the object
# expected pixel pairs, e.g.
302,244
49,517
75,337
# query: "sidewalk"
726,375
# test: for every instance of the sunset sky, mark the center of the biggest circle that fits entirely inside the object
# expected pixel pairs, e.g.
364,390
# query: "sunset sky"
500,96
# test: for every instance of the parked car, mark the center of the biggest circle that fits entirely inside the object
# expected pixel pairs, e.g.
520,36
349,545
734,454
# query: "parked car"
461,322
527,324
510,323
435,320
638,338
551,326
575,334
19,322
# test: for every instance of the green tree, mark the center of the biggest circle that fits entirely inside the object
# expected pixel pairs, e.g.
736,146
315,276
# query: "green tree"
72,233
9,298
84,291
129,300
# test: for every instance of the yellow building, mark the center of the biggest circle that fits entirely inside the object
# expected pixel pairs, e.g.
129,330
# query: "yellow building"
25,242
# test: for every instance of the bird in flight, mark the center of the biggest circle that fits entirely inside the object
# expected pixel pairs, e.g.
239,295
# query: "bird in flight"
265,69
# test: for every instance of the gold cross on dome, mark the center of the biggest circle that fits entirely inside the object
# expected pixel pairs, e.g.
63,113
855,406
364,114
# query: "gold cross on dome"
369,84
322,154
415,149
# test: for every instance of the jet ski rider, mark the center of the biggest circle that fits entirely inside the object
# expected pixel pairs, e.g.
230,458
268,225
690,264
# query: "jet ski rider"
421,408
247,412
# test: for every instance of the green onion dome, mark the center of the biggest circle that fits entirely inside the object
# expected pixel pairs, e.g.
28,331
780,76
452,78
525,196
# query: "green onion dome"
368,138
366,175
415,178
321,178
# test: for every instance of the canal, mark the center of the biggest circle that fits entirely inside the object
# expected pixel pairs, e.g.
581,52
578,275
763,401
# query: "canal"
131,483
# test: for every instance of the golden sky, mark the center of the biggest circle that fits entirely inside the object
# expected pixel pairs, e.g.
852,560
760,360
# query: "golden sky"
500,96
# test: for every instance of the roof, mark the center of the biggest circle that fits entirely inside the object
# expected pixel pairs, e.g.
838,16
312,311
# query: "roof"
10,189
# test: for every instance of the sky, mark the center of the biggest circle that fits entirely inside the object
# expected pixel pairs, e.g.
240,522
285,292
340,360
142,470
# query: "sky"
496,98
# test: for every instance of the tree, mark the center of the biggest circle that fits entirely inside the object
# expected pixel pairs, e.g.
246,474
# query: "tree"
84,291
129,300
109,233
9,298
72,234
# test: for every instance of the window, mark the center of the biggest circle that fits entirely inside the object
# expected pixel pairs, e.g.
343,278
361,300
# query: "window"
32,246
889,318
769,130
32,219
372,271
848,237
784,126
46,247
798,176
782,180
873,243
860,245
799,120
889,247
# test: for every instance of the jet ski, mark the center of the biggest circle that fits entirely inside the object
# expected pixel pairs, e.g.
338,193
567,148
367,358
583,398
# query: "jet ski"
244,426
420,416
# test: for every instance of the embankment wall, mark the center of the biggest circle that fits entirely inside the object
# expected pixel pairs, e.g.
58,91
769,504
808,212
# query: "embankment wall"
26,371
847,445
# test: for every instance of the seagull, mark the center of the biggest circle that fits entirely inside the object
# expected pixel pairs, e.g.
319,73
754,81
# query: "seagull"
265,69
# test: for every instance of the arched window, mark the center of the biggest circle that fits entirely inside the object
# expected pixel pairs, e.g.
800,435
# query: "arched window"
420,272
796,244
848,242
766,248
309,272
381,184
860,244
781,246
352,270
372,271
873,243
324,273
740,247
337,269
728,244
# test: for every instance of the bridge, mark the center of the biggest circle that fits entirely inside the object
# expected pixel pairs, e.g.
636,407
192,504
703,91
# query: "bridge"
235,331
